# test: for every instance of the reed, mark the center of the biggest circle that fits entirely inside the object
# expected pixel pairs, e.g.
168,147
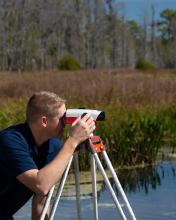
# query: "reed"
133,137
95,88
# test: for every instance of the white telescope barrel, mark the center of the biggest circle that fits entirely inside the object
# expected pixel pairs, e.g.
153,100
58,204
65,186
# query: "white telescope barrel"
73,114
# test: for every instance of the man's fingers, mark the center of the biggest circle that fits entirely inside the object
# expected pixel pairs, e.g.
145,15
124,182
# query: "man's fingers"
90,121
86,117
91,129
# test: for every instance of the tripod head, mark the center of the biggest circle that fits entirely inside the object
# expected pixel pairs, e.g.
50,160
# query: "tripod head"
73,114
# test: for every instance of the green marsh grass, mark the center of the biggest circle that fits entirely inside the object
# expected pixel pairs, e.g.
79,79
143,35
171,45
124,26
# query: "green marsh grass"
133,137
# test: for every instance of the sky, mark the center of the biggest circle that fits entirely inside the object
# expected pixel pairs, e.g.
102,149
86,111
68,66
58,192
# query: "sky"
135,8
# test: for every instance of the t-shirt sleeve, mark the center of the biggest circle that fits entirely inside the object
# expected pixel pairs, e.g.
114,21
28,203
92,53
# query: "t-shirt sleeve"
15,155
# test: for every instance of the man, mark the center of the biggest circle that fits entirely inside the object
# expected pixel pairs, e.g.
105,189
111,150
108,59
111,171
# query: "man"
32,159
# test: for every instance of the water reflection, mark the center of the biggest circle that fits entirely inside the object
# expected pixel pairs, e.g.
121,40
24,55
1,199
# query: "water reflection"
134,180
142,179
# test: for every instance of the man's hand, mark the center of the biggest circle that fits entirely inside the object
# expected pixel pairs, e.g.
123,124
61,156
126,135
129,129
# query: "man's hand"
82,128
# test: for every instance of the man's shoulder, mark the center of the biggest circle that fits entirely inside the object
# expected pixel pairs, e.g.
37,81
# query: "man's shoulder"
13,130
12,135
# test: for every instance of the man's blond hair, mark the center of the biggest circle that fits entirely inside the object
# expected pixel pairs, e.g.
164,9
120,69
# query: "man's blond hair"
43,103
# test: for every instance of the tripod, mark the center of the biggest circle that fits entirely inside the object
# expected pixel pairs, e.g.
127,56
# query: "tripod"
95,146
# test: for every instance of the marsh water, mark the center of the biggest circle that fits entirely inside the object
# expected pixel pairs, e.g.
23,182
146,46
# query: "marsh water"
151,192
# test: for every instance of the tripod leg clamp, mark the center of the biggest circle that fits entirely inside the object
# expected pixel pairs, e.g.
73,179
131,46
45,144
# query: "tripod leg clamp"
97,144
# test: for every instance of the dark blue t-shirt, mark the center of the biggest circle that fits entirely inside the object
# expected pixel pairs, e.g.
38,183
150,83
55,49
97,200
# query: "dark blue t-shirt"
19,153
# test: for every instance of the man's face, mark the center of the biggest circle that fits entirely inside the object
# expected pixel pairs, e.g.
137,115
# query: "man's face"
56,124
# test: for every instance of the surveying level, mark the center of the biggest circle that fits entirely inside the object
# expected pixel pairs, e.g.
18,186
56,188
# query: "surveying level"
73,114
95,146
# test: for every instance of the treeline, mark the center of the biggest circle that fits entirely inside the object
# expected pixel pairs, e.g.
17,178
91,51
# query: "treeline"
36,35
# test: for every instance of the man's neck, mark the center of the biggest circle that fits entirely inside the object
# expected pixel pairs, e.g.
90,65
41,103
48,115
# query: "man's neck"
38,134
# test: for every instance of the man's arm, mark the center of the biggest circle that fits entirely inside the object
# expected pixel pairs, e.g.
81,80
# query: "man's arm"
41,181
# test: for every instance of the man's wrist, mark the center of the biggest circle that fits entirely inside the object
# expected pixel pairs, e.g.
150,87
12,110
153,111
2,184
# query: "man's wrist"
72,141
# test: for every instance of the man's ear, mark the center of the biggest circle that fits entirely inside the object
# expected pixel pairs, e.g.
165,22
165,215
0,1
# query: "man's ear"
44,121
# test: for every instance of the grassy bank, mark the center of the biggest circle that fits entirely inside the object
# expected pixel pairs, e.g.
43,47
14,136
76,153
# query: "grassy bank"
140,107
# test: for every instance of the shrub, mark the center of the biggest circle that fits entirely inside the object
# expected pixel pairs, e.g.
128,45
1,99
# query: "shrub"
68,63
142,64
